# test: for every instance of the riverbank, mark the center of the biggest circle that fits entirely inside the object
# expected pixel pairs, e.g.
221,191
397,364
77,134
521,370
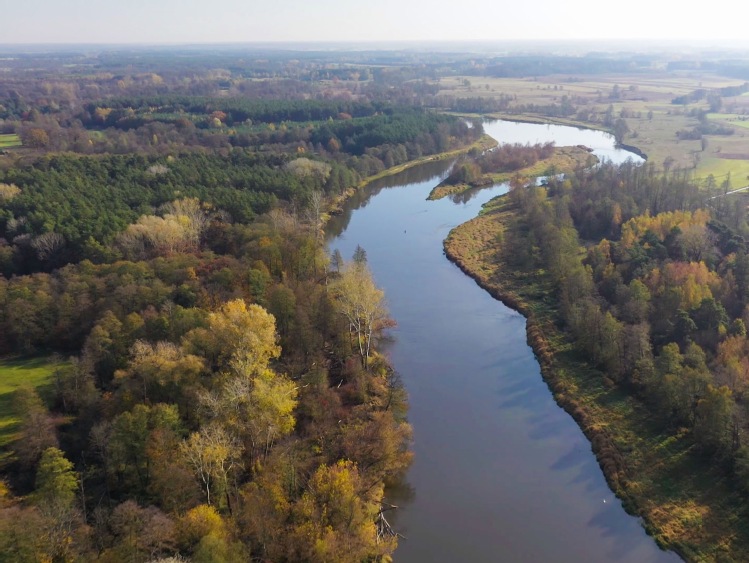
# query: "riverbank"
484,143
533,119
687,504
657,109
564,159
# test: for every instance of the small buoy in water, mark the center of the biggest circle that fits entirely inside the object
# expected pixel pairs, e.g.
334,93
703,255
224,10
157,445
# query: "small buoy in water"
604,501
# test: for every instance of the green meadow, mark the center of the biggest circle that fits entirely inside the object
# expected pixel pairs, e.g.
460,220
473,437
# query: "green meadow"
37,372
9,141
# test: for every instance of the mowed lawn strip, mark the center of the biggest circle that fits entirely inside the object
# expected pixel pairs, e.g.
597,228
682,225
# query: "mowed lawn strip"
9,141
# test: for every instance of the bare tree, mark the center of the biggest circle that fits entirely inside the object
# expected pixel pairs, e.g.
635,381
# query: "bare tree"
362,303
190,213
212,454
315,212
47,244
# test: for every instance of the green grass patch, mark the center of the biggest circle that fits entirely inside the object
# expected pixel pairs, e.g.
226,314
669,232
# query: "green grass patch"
720,168
9,141
733,119
15,372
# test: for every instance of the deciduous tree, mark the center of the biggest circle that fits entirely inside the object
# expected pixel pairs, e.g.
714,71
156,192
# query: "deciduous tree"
212,453
336,518
237,331
362,304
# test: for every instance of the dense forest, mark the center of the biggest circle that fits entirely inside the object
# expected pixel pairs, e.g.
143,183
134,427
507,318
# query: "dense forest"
219,404
658,300
211,385
75,206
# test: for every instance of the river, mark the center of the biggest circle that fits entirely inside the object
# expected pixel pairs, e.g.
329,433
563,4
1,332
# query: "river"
500,472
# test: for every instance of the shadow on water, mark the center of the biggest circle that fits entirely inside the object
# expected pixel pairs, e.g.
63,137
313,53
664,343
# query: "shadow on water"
500,473
415,175
544,429
579,469
571,459
469,194
606,521
400,492
526,399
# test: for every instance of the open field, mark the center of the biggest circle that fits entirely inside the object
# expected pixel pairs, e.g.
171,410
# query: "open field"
9,141
14,372
643,101
721,167
733,119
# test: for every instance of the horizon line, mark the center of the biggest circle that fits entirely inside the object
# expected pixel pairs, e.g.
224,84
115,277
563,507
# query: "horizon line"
608,40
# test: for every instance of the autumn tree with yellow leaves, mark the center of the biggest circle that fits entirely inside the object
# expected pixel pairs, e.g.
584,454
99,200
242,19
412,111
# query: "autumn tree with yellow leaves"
362,304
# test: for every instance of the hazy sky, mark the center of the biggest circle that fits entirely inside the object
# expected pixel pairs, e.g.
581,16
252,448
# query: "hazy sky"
218,21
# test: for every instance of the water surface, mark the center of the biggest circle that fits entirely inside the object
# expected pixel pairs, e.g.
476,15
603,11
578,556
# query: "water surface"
500,472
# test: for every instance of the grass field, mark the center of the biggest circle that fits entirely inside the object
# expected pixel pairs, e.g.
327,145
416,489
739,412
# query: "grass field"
14,372
732,119
721,167
9,141
644,102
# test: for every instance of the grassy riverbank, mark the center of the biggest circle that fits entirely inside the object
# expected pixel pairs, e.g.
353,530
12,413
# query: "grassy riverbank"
565,159
482,144
687,503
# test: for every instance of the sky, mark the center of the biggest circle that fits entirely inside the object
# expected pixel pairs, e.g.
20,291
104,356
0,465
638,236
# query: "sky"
240,21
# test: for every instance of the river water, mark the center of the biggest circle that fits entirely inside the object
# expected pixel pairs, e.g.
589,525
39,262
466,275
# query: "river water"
500,472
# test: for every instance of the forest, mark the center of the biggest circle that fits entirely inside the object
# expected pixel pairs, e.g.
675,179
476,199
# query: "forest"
195,412
186,374
79,204
206,383
474,169
635,285
658,301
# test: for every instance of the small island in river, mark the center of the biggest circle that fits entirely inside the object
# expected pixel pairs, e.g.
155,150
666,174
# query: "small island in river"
512,161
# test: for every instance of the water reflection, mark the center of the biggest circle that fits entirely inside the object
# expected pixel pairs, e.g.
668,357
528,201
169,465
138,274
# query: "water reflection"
602,143
466,196
426,172
500,473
